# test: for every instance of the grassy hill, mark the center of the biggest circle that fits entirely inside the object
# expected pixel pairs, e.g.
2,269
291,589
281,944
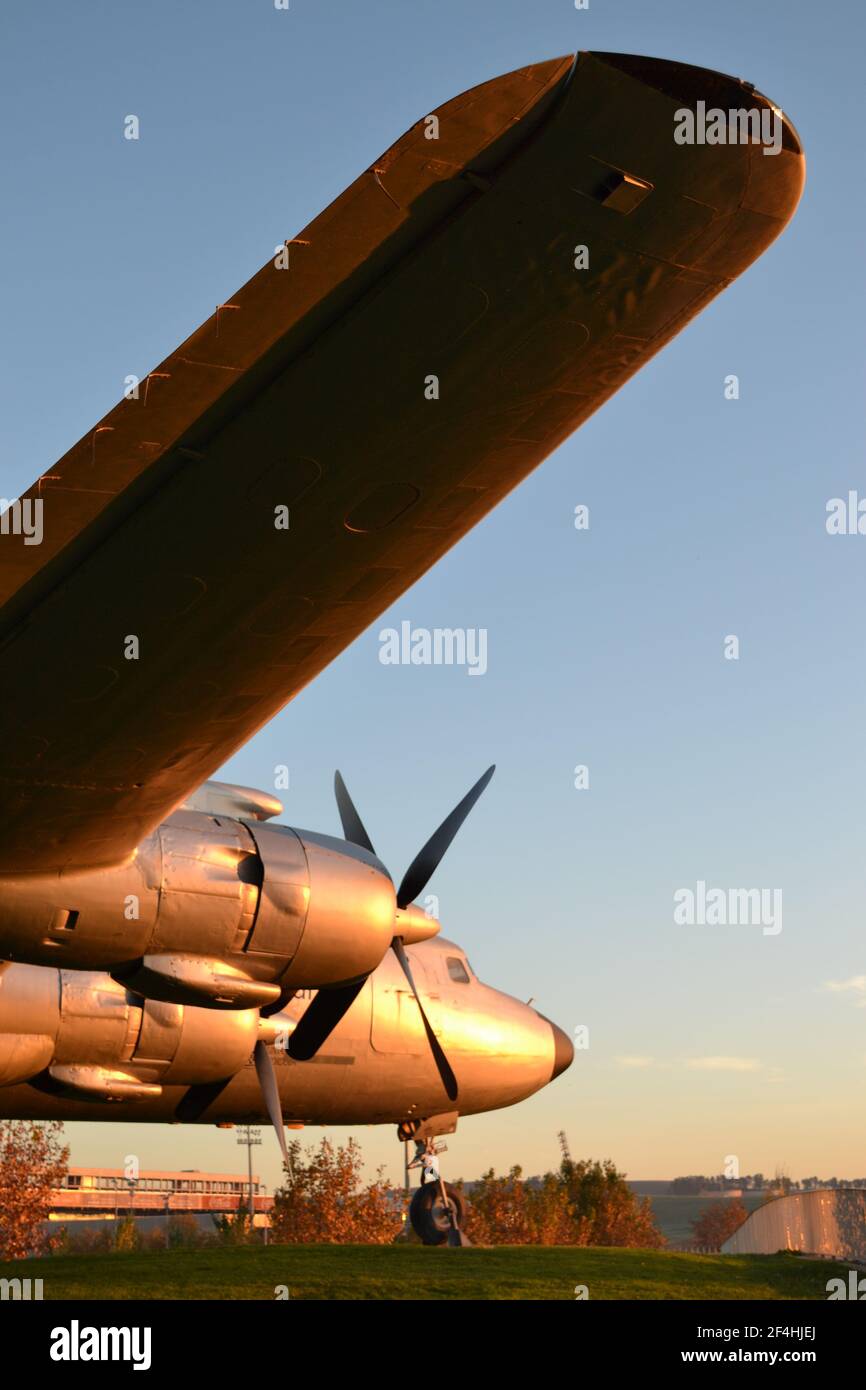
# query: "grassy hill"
409,1271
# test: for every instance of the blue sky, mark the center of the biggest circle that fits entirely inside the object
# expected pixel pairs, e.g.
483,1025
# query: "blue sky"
605,647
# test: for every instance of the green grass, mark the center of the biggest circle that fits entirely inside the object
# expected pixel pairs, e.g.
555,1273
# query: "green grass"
417,1272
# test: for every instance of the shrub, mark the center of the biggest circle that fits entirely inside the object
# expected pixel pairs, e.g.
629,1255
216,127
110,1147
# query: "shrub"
324,1199
585,1203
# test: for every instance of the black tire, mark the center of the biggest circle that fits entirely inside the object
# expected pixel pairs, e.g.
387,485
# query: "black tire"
430,1220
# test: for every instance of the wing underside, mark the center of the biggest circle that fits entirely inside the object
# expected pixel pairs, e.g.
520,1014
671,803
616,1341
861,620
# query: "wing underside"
453,258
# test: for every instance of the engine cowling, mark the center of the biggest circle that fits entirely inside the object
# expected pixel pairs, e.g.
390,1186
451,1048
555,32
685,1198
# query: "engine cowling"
213,912
90,1038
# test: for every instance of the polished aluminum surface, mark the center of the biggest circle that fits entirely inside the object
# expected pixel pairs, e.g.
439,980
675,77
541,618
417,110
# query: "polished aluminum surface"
375,1067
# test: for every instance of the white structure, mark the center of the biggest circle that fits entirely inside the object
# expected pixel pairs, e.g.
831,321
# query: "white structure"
825,1222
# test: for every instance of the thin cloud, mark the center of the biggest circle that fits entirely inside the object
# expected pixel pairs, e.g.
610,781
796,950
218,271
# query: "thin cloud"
856,985
723,1063
636,1061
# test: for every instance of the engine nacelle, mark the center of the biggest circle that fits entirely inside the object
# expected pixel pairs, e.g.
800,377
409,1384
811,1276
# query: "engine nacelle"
348,900
90,1038
211,911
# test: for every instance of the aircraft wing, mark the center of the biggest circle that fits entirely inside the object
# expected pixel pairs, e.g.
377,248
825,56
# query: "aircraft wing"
453,257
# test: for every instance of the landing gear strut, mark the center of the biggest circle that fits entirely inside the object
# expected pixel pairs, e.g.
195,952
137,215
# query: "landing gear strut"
437,1210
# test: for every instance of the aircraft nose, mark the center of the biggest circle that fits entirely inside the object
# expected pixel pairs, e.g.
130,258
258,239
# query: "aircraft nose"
563,1051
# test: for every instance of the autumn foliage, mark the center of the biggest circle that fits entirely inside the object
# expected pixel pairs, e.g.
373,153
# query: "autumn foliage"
33,1160
508,1211
584,1203
716,1222
324,1199
604,1208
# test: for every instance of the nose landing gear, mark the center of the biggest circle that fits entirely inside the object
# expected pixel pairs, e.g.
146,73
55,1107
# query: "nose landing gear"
437,1210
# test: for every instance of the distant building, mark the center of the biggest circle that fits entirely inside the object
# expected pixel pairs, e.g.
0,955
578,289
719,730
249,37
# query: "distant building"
820,1222
88,1193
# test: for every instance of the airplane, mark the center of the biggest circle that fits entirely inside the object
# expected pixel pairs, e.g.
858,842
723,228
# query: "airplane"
239,517
69,1038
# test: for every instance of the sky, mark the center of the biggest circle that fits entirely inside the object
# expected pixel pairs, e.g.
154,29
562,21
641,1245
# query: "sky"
605,646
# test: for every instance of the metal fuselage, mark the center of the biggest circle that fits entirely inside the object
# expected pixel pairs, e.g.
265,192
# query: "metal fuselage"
376,1067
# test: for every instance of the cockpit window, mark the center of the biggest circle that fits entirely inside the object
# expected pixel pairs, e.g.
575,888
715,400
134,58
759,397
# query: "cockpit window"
457,970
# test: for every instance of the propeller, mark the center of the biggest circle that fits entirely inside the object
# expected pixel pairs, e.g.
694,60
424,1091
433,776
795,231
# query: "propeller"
199,1097
353,826
268,1082
427,860
321,1017
329,1005
449,1080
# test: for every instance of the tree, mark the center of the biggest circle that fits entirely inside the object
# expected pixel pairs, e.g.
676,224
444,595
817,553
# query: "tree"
498,1212
551,1211
33,1161
781,1184
235,1228
585,1203
604,1209
126,1235
509,1211
184,1232
323,1199
718,1220
688,1187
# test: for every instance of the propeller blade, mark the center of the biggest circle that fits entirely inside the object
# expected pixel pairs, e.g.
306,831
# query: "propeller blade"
353,826
197,1099
425,863
268,1082
320,1018
449,1080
